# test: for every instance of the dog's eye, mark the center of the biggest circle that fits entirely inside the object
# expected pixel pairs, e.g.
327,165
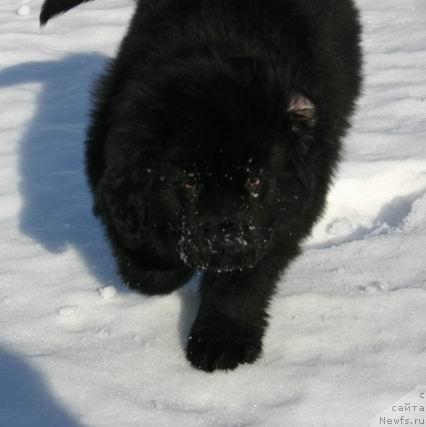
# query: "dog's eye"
253,186
254,183
189,184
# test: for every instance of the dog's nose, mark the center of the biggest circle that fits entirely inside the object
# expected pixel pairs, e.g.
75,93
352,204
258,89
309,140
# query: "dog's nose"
225,235
219,228
233,241
228,228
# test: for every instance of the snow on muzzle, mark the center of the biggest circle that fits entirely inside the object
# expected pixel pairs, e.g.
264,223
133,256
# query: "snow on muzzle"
227,246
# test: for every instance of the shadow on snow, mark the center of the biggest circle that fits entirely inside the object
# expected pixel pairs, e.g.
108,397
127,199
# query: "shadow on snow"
56,209
25,399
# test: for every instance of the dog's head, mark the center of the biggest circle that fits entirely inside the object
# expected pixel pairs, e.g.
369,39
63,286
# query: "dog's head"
217,160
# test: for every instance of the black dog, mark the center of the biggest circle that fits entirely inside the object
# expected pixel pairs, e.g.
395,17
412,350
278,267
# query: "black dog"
213,141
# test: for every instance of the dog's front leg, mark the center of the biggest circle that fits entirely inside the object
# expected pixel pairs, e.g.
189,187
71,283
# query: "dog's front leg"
232,318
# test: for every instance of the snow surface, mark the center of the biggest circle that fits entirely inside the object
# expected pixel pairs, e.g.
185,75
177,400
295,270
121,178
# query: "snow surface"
347,337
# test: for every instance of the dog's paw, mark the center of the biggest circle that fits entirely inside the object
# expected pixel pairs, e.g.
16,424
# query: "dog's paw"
208,351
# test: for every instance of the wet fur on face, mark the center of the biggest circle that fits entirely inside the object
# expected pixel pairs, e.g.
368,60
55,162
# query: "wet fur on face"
214,137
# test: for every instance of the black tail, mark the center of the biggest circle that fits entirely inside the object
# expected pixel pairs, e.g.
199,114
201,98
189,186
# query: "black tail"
52,8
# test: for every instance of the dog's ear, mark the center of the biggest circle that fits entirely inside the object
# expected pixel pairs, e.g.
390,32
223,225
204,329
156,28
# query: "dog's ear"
122,206
52,8
302,110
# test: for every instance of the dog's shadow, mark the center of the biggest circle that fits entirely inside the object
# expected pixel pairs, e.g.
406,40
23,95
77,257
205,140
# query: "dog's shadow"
56,204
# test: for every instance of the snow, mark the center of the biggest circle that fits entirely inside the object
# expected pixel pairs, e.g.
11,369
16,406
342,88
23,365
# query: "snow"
347,337
23,10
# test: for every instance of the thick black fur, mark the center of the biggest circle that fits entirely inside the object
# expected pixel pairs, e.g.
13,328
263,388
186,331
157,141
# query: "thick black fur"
213,140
